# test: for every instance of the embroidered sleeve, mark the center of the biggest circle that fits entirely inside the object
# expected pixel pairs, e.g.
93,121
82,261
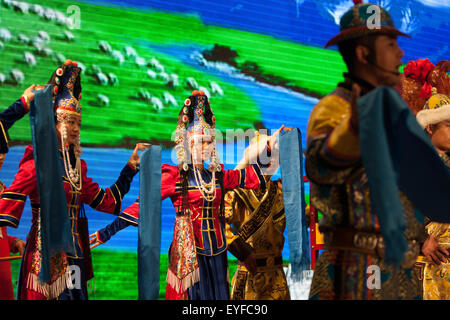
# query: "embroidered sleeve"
330,119
320,171
341,148
8,117
109,200
169,177
240,249
13,199
233,217
111,229
131,214
248,178
15,112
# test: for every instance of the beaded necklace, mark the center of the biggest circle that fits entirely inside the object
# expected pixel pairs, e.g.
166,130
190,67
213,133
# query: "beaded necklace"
208,190
73,173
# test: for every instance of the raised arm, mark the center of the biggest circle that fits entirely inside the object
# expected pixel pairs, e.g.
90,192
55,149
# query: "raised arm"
110,199
15,112
103,235
333,143
130,216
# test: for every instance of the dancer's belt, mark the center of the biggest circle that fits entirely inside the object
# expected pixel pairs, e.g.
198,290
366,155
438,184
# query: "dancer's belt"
349,239
368,242
269,261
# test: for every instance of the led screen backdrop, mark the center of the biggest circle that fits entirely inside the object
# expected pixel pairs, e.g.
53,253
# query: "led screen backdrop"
262,63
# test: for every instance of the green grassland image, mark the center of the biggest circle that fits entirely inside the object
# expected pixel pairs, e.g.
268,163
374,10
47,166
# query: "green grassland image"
127,95
116,275
138,68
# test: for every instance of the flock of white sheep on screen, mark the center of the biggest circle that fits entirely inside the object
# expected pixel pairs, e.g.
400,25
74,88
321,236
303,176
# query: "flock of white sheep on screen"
39,47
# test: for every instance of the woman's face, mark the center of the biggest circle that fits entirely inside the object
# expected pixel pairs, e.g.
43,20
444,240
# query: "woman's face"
73,126
201,150
440,136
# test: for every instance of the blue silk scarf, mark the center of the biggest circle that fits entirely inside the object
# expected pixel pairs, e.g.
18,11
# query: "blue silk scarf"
291,164
56,235
398,155
149,226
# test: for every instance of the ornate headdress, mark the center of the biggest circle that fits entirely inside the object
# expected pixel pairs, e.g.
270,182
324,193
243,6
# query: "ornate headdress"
355,23
436,109
66,106
196,123
419,77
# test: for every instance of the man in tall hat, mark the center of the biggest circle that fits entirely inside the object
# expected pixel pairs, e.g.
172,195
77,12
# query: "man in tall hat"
198,265
433,264
353,232
60,255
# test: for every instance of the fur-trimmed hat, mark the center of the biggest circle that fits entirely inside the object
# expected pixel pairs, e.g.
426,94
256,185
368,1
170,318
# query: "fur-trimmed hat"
436,109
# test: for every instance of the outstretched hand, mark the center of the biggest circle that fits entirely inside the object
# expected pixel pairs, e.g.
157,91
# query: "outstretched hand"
280,184
94,241
19,246
433,251
134,158
29,94
273,137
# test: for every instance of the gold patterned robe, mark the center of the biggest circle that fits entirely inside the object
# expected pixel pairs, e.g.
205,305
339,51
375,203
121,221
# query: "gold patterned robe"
340,190
436,279
257,218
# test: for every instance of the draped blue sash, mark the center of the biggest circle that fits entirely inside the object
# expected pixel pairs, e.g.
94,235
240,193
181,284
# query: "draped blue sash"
149,226
398,155
291,164
55,227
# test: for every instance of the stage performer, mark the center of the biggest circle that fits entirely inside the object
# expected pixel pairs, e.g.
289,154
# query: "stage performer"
79,189
369,251
417,79
420,77
255,226
8,244
433,265
198,265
